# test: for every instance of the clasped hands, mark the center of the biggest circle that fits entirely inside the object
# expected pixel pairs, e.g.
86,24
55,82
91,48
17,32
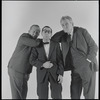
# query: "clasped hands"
47,64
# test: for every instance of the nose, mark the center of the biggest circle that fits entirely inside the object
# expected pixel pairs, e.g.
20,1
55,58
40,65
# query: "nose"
65,26
46,33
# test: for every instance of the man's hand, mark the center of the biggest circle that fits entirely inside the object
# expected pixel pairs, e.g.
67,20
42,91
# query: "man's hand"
27,76
60,79
51,65
47,64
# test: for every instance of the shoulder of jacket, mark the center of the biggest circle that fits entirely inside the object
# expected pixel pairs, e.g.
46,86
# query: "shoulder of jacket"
25,34
81,28
60,32
54,42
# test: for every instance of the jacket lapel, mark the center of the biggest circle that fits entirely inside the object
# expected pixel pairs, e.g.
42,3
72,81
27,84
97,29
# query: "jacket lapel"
65,47
51,49
42,49
81,44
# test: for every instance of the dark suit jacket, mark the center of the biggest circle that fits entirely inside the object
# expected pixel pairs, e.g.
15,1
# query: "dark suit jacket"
84,44
38,57
20,58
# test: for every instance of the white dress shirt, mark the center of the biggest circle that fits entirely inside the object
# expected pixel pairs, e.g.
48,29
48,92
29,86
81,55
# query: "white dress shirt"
47,47
60,46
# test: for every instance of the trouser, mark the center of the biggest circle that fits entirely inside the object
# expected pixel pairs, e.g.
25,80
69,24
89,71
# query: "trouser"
78,82
18,82
56,88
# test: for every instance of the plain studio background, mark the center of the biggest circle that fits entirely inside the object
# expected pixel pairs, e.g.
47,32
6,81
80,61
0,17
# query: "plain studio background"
18,16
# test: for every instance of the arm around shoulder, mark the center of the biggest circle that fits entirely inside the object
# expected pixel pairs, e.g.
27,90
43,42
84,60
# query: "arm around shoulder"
28,40
60,61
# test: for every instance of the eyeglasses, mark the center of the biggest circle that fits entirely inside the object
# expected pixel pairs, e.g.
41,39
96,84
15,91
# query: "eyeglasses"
49,31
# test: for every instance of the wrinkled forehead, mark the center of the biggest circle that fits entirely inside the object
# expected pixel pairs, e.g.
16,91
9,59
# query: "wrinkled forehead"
35,28
65,21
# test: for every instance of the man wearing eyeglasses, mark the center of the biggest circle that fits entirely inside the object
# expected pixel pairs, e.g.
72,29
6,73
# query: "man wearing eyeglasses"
48,60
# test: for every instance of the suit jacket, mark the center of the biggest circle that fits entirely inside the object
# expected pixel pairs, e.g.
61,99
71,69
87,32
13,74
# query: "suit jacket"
20,58
84,44
38,57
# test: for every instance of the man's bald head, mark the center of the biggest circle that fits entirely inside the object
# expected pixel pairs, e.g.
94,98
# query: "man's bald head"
34,31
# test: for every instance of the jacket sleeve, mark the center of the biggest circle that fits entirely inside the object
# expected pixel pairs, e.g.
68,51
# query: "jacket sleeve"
34,61
26,39
92,47
59,61
57,36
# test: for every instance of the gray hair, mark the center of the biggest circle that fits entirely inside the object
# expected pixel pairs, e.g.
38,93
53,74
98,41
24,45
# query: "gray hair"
67,17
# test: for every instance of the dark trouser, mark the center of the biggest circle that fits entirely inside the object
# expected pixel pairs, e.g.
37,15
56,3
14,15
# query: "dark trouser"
18,82
56,88
78,82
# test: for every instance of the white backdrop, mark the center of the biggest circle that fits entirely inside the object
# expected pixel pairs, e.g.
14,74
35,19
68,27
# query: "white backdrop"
18,16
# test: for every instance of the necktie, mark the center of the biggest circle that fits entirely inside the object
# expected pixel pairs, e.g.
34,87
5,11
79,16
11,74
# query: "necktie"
69,39
69,61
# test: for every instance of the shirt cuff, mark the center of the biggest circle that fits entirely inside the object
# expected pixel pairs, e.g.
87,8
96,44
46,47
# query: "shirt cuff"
88,60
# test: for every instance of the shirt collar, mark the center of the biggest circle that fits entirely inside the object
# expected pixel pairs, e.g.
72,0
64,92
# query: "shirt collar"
72,32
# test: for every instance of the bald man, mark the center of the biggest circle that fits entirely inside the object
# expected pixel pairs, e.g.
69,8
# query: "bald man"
19,67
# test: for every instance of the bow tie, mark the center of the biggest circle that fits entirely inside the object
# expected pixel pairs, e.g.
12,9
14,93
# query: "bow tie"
45,42
69,35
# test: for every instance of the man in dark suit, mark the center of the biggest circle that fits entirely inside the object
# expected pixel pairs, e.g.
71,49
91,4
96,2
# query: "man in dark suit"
19,67
79,55
47,58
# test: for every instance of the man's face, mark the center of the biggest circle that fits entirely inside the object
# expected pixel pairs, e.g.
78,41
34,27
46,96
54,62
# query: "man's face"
67,26
46,33
35,32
